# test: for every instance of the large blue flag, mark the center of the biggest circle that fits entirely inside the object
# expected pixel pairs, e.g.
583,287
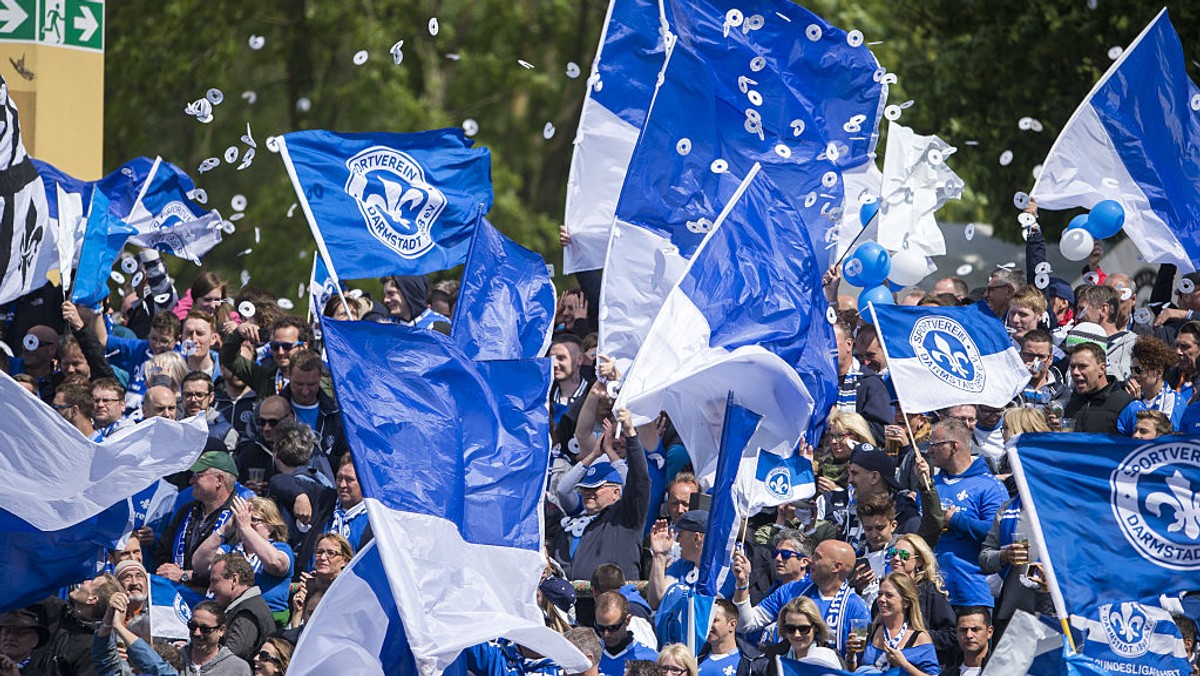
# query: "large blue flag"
389,204
944,356
451,456
103,240
505,307
768,82
1128,637
619,89
1136,139
1120,517
748,315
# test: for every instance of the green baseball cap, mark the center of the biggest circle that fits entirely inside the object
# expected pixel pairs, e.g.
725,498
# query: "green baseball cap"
221,460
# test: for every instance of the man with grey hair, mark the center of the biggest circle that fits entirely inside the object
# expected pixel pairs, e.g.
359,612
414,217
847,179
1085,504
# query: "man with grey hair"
1000,288
304,483
970,498
588,643
214,476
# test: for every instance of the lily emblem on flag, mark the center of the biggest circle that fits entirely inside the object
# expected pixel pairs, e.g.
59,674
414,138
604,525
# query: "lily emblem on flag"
399,206
945,348
1156,504
1128,628
779,482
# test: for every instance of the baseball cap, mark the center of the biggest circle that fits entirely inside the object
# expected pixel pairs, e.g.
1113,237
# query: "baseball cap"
874,460
215,460
694,521
1059,288
598,474
559,592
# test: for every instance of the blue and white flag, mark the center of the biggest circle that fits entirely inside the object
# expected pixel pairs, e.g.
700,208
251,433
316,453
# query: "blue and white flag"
68,199
360,632
166,218
1136,139
1120,517
724,515
620,86
506,301
64,499
27,249
945,356
1131,638
451,456
769,479
171,606
105,236
790,667
770,83
748,315
389,204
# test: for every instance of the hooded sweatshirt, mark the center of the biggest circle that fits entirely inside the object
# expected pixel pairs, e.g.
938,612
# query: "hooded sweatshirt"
977,495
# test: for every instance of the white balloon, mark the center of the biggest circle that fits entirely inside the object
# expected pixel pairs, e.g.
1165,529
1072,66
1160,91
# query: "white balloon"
1076,244
908,267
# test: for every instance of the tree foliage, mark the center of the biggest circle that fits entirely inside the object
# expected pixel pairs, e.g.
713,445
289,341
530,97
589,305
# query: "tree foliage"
973,68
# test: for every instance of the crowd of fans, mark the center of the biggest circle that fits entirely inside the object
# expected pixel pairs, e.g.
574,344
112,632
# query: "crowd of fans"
912,553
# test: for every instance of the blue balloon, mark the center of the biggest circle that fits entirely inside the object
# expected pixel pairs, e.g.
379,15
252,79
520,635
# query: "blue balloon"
867,212
879,295
1106,219
876,262
1080,221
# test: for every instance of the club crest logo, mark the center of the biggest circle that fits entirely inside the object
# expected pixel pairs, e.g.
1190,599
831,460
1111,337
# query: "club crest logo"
945,348
398,205
172,214
182,610
779,482
1128,628
1155,495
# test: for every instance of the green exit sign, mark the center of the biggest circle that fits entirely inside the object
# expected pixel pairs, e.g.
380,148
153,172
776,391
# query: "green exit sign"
77,24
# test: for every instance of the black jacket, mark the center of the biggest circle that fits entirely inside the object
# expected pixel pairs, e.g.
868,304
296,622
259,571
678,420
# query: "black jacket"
615,535
1097,412
69,650
250,623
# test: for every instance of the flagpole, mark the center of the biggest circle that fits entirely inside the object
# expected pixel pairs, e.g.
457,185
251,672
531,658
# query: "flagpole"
1027,504
883,346
312,224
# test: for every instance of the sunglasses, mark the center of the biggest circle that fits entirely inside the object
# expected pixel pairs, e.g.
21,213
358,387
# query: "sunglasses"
264,656
193,626
268,422
280,345
608,628
672,669
785,554
802,629
1137,370
904,554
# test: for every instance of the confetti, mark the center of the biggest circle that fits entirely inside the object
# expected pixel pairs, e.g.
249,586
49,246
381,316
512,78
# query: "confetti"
360,57
684,146
231,154
397,52
470,127
572,70
215,96
525,64
1006,158
257,42
238,202
434,27
548,131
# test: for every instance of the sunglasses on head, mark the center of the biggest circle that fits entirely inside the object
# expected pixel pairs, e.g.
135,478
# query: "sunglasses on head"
904,554
802,629
785,554
193,626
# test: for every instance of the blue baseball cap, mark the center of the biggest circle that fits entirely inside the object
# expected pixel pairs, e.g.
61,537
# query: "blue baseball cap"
598,474
1059,288
695,520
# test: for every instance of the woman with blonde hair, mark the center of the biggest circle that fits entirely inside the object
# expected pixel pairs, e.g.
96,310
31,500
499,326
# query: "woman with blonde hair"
898,637
676,660
168,364
258,532
1021,420
911,555
804,634
844,433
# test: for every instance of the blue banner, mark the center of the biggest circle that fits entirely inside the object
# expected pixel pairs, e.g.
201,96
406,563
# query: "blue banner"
1121,519
723,516
506,302
390,204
